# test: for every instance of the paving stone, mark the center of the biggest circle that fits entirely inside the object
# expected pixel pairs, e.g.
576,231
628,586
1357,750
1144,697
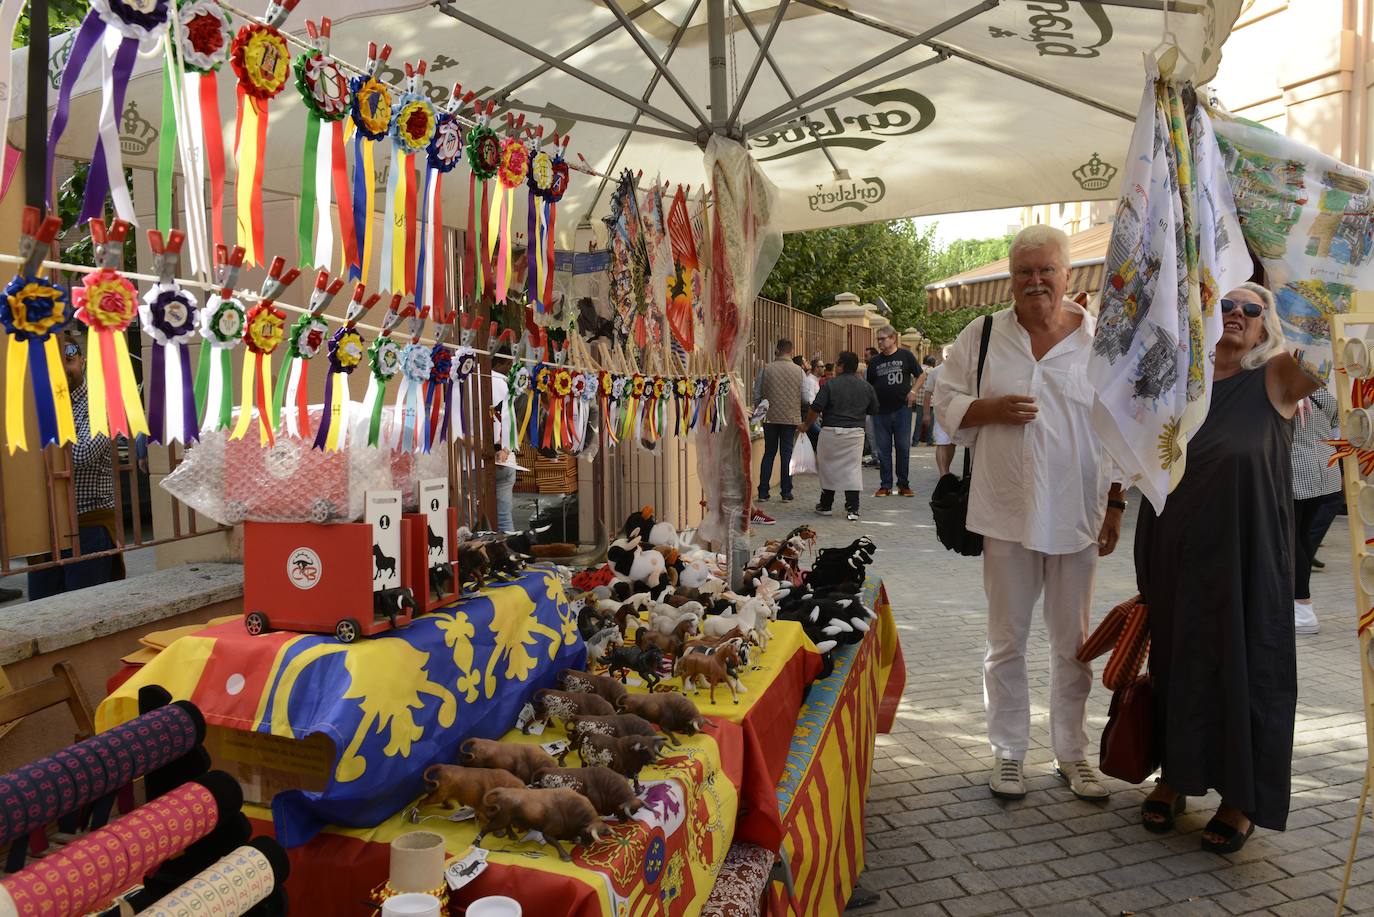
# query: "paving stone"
1246,900
1134,900
1008,877
924,892
888,877
1059,890
1082,864
1304,908
978,905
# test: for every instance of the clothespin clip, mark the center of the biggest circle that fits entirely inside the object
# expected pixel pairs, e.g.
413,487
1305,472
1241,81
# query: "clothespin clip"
166,256
276,281
375,59
442,330
358,307
393,317
278,10
469,325
319,37
38,234
417,322
109,244
457,100
560,355
324,293
227,267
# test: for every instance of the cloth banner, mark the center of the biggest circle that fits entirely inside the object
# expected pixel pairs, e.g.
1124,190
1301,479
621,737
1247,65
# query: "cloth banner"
1175,249
1306,216
391,704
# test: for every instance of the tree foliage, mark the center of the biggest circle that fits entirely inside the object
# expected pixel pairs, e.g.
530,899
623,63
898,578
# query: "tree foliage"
892,260
62,16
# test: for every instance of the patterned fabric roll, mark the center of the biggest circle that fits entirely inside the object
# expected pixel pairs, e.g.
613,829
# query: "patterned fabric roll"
88,872
231,886
59,784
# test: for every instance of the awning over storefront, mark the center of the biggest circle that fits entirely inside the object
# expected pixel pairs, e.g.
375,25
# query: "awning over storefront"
991,284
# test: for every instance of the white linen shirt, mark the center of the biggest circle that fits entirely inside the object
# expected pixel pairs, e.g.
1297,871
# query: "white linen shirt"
1043,484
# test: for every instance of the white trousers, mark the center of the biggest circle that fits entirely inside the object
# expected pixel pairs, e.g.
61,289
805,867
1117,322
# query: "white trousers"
1013,578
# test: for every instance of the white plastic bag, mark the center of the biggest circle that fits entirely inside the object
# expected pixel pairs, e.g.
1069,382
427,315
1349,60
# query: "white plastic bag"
803,456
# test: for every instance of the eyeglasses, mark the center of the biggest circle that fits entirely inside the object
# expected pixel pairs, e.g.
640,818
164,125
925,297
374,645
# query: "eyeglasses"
1249,309
71,350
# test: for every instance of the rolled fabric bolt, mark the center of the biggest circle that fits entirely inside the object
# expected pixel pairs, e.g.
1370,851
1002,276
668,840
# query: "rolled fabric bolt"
230,887
91,870
62,783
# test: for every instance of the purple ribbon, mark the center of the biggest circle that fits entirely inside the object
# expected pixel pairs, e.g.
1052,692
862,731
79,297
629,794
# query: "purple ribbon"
327,415
90,33
157,396
190,425
98,183
532,251
448,411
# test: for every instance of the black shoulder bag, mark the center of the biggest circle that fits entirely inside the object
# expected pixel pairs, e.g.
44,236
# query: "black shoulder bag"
949,499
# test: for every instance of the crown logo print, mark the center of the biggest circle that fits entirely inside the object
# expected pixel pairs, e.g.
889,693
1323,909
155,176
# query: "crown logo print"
58,62
136,133
1094,175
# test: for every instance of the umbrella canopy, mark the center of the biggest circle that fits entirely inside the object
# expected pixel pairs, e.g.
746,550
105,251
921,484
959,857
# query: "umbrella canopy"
876,110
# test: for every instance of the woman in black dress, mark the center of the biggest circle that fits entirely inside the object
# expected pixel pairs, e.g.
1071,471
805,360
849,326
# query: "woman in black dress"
1216,570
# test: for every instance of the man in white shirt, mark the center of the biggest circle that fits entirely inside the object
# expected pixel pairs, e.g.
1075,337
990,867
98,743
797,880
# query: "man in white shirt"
1039,499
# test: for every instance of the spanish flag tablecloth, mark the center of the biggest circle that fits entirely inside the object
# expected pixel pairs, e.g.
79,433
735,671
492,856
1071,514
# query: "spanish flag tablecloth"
392,704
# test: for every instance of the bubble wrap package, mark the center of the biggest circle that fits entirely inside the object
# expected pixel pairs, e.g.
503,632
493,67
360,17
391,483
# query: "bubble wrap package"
233,481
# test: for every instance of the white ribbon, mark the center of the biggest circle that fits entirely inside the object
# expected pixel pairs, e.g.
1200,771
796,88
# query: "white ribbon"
393,175
288,407
109,130
324,194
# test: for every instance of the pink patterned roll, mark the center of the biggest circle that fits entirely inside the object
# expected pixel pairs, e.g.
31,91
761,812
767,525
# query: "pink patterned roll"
228,888
90,871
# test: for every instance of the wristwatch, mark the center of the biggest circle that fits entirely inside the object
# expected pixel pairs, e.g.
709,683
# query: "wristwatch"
1117,504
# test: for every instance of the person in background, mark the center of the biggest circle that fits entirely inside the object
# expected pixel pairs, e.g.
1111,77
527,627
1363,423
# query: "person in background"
841,405
893,373
780,383
505,460
870,454
811,386
944,445
1316,497
921,424
1216,570
93,480
1040,498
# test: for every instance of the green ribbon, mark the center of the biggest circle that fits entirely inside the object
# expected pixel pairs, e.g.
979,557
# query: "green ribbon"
203,377
374,425
306,229
226,399
279,393
166,155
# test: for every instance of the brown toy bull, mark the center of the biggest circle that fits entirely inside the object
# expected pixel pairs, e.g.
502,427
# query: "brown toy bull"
549,704
626,755
557,814
608,689
451,784
520,760
608,792
695,667
670,712
620,724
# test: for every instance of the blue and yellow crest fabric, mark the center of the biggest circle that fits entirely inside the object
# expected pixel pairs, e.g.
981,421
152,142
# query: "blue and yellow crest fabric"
392,705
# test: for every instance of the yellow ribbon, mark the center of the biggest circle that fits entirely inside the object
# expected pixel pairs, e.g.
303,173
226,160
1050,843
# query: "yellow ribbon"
248,166
525,419
95,390
398,223
370,172
61,394
16,362
252,363
336,422
133,404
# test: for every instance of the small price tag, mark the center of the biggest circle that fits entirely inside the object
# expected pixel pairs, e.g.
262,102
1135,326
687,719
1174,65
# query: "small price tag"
525,721
556,747
462,871
463,813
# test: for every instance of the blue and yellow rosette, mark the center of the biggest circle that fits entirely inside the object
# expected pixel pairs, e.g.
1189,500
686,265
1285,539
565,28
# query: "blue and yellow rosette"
33,311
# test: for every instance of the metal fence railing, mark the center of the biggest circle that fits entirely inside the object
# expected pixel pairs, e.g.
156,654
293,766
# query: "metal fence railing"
809,334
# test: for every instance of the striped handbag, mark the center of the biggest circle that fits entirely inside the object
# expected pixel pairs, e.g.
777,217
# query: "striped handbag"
1125,631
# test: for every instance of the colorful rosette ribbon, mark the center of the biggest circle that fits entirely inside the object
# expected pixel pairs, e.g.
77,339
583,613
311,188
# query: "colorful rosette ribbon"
205,37
264,330
412,124
512,167
33,311
547,180
106,302
558,433
262,63
168,315
112,30
324,172
416,367
291,398
346,351
609,389
464,373
370,118
439,396
701,389
384,361
584,386
517,387
483,150
221,330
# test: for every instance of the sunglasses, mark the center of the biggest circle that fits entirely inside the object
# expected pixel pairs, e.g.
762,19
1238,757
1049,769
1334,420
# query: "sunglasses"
71,350
1249,309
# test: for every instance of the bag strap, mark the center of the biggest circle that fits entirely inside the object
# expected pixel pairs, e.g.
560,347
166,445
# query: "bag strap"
978,391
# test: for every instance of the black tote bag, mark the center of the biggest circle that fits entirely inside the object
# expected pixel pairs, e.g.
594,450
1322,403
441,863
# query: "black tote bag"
949,499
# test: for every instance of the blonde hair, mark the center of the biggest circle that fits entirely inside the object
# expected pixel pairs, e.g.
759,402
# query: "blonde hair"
1273,342
1038,235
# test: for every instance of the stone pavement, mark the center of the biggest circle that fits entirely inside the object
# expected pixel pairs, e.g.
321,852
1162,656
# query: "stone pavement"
939,844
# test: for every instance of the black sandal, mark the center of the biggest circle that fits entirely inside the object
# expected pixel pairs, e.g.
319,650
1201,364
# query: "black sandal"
1235,838
1163,812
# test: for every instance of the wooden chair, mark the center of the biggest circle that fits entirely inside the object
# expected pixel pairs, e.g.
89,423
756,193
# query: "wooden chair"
62,687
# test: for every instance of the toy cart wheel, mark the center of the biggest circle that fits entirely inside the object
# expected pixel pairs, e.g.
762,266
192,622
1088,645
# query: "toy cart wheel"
256,623
347,630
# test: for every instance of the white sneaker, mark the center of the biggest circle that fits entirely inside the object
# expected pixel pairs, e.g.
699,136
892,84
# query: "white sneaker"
1305,619
1085,782
1008,780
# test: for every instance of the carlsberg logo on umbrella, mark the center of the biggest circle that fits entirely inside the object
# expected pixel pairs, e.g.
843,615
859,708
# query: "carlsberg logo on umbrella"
851,195
889,113
1054,34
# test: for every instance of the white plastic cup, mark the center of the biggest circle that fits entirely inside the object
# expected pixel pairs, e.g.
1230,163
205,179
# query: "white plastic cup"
412,904
1355,357
494,906
1359,428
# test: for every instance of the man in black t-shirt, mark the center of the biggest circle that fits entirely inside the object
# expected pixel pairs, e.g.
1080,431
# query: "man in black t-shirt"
892,373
